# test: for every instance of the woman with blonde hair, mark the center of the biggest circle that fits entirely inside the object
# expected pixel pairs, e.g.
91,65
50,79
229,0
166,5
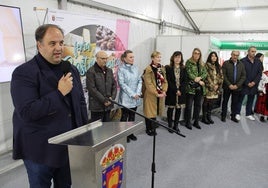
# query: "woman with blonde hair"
130,82
195,87
155,91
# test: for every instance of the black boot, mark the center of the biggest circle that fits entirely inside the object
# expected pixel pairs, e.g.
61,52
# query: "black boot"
196,124
204,119
149,128
209,114
204,112
177,119
169,118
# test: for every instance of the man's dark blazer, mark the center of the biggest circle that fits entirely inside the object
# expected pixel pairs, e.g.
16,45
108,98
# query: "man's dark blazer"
42,112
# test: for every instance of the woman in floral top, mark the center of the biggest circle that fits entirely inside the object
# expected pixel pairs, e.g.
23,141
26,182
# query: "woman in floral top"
213,84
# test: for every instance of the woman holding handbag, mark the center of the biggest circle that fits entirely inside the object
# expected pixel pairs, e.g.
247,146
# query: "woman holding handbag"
195,87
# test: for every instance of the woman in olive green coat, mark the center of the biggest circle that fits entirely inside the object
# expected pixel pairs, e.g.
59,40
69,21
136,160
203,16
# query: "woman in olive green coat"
195,87
156,86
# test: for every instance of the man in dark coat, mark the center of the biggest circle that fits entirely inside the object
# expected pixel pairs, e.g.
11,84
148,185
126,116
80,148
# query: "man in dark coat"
234,75
48,101
253,68
101,87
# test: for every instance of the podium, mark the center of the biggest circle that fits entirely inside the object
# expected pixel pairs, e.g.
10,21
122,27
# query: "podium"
97,153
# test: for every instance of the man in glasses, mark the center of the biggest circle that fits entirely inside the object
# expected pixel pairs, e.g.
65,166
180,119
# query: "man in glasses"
234,75
101,87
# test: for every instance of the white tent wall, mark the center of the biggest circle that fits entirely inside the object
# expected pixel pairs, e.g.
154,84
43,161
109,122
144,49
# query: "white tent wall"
142,35
185,44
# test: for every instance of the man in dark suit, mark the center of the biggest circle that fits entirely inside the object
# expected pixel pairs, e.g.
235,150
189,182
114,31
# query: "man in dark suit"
253,68
48,101
234,75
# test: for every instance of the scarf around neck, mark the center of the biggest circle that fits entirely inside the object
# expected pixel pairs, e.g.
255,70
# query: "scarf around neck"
159,77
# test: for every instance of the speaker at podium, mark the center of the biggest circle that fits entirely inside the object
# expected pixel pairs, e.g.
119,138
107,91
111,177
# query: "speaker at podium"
97,153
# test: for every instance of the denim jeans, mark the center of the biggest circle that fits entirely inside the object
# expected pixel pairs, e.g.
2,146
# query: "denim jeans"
40,175
249,104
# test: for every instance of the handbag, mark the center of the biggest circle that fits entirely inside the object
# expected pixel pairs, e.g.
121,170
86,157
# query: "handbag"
194,84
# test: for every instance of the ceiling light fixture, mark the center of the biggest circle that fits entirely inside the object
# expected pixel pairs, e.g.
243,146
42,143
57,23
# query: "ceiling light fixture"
238,12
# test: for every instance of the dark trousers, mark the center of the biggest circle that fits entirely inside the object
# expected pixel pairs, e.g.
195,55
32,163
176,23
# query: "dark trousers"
128,115
207,105
150,125
103,116
234,102
190,99
40,175
249,104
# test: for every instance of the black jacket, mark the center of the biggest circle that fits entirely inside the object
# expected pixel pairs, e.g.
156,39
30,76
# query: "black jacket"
101,85
172,88
42,112
228,74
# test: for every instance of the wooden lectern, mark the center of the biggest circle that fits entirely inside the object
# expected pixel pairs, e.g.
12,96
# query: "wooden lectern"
97,153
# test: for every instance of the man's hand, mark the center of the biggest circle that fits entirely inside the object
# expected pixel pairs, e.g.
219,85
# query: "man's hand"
108,103
65,84
233,87
251,84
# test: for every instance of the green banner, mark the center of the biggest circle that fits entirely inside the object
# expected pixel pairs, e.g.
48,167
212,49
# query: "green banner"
227,45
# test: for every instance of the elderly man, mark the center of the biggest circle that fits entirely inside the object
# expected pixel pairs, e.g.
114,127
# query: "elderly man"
234,75
101,87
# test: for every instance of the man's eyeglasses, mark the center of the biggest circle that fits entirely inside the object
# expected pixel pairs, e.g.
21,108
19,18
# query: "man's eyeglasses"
103,58
235,55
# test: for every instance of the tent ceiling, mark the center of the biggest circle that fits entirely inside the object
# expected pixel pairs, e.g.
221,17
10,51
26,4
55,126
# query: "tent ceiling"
219,16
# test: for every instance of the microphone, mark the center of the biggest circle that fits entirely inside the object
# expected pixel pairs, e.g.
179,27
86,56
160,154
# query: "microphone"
65,67
155,121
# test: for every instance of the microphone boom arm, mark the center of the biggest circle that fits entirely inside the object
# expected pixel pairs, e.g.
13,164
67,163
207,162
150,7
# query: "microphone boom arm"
157,122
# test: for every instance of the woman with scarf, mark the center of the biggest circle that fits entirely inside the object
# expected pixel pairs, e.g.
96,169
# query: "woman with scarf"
213,84
155,91
195,87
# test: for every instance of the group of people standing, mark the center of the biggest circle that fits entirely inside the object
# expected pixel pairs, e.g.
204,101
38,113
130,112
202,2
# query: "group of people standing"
49,100
193,84
182,86
200,85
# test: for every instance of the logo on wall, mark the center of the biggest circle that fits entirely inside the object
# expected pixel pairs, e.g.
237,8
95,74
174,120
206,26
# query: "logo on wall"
112,162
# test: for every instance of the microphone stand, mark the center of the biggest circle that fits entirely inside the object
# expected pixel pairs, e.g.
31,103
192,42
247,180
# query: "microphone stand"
154,135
